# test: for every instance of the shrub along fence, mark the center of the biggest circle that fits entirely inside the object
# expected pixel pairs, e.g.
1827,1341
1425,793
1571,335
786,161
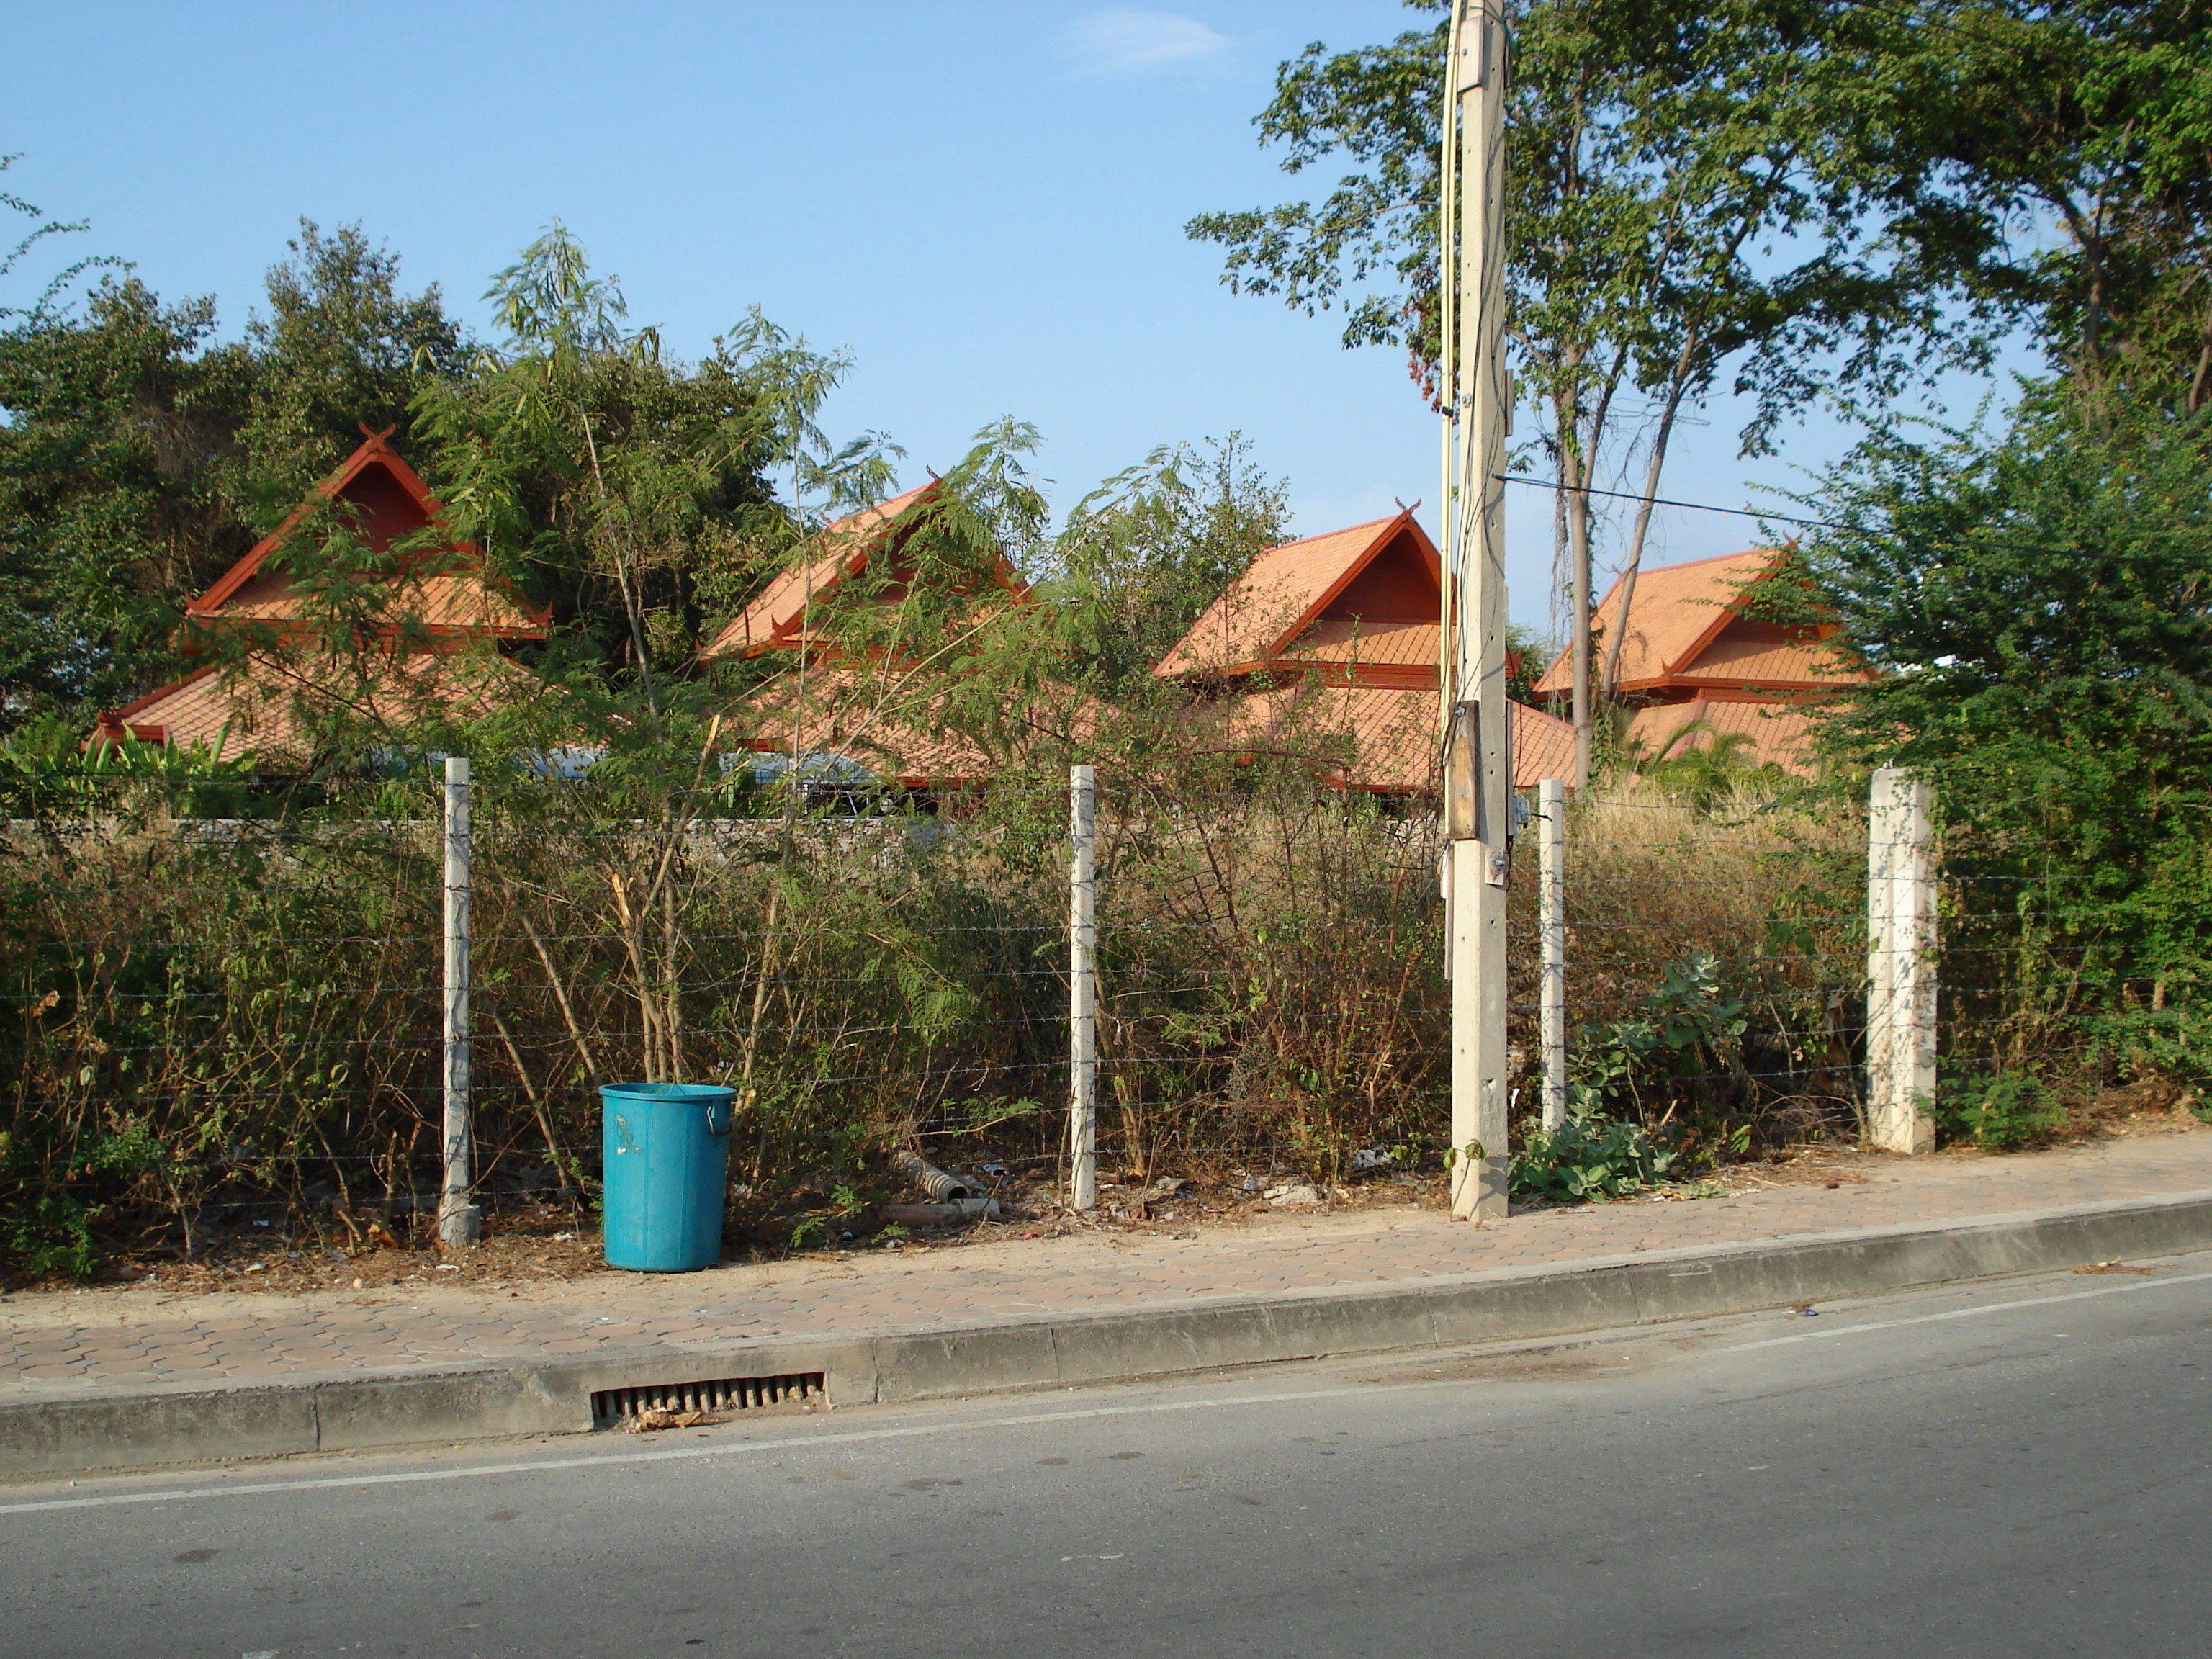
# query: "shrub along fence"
220,1018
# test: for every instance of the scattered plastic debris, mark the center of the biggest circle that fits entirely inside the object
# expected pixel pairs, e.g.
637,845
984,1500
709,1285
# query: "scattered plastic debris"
1369,1157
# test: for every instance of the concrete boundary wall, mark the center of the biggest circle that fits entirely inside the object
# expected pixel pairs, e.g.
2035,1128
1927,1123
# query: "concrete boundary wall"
148,1428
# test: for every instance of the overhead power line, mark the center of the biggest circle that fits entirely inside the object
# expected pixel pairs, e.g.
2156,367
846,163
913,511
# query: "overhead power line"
1662,501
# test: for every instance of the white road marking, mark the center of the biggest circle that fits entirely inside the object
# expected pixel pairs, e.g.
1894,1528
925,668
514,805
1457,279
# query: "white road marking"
794,1442
1827,1332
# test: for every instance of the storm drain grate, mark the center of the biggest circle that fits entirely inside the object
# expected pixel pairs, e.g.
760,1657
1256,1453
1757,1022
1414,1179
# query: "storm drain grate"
728,1393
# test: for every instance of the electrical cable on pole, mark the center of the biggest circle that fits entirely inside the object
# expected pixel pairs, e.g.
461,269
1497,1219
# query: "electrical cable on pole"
1477,795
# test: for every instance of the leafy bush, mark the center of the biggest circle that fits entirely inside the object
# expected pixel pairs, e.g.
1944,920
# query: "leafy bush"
1589,1158
1683,1033
1996,1111
51,1234
2032,602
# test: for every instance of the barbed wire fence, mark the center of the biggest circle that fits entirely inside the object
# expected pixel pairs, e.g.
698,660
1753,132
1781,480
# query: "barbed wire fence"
236,1006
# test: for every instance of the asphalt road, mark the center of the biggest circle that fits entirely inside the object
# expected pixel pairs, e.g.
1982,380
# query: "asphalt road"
2009,1468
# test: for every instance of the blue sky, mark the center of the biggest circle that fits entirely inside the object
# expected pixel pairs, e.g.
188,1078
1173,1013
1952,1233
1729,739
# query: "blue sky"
983,202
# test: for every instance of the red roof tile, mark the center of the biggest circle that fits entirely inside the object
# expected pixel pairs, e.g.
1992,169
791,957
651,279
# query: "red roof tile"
1779,732
256,706
1391,733
1351,641
779,617
1757,655
892,723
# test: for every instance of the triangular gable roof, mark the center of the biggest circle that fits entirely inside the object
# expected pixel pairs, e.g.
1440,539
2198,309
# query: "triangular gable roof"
1258,622
778,615
1674,633
394,503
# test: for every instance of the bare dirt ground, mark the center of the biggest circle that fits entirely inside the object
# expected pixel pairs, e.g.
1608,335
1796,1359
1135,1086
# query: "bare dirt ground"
538,1241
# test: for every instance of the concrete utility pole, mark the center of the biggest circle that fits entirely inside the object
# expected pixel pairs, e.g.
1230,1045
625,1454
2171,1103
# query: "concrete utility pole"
1900,965
1083,988
1551,924
1478,779
458,1219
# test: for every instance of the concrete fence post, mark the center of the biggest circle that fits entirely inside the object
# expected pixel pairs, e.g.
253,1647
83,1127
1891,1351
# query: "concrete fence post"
1900,1058
1083,988
1552,923
457,1219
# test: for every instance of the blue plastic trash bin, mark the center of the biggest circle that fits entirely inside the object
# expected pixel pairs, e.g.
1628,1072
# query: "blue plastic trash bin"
667,1154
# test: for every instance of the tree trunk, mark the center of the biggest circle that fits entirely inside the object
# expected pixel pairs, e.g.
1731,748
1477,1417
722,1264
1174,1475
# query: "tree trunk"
1574,472
1610,685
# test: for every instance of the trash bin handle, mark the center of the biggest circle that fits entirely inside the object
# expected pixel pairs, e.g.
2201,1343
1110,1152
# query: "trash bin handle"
727,1116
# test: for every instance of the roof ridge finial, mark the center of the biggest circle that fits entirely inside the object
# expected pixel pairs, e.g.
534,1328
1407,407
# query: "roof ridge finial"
377,438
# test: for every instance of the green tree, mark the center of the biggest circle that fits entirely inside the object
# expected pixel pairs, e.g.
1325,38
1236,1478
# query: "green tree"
1710,776
1141,555
341,348
2038,609
1688,197
119,416
2071,144
141,454
632,491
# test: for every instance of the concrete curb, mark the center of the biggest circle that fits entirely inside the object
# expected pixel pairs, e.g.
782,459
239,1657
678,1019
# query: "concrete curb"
151,1427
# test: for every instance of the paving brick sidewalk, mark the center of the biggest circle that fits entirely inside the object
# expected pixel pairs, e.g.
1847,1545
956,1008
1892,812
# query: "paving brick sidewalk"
62,1345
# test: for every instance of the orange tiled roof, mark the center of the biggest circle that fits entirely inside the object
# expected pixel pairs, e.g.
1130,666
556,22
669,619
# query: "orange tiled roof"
777,613
1392,732
888,722
442,602
255,706
1266,612
1686,627
1352,615
449,593
1752,653
777,617
1539,745
1354,642
1780,732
